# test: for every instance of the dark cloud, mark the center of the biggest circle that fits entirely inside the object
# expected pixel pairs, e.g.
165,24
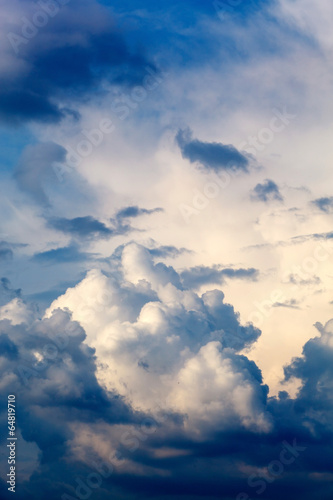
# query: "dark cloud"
63,255
52,374
167,251
67,61
88,227
212,155
291,304
82,227
324,204
135,211
315,399
120,222
297,280
7,292
201,275
266,191
69,415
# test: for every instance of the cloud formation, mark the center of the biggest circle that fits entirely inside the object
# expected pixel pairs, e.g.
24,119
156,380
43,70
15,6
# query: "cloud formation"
137,347
70,253
266,192
6,251
82,227
202,275
211,155
35,169
324,204
48,72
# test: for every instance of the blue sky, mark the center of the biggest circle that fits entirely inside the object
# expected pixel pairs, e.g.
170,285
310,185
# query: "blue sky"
166,248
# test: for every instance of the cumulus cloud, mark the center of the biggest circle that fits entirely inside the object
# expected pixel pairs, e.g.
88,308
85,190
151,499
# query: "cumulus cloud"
136,346
155,331
51,371
212,155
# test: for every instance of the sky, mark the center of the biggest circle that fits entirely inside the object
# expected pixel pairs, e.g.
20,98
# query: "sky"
166,248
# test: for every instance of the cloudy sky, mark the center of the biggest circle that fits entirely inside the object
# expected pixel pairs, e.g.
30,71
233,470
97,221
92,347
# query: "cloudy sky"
166,248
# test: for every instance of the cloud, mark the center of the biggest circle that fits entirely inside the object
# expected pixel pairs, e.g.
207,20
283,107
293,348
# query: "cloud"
88,227
46,364
35,169
324,204
291,304
6,251
297,280
82,227
155,331
315,369
120,221
71,253
7,292
202,275
135,211
167,251
212,155
266,192
62,63
177,358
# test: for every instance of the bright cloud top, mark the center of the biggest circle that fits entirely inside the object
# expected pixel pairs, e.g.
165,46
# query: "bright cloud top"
161,345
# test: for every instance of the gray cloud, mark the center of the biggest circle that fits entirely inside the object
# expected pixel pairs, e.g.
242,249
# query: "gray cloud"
164,333
167,251
201,275
6,251
135,211
67,61
291,304
82,227
34,169
212,155
324,204
7,292
266,191
62,255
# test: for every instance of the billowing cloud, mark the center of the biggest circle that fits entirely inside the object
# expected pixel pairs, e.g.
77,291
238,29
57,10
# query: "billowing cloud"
212,155
46,364
156,332
131,371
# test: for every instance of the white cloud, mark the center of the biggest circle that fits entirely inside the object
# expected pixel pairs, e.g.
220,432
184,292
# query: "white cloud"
161,346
